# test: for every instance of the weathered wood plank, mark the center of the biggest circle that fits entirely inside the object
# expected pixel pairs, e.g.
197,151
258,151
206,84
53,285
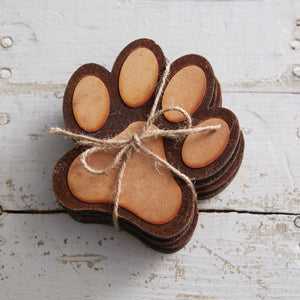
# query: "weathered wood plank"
269,178
233,256
52,256
28,152
252,45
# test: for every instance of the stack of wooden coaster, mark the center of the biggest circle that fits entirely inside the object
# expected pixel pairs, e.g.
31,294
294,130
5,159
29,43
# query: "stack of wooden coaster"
210,170
153,203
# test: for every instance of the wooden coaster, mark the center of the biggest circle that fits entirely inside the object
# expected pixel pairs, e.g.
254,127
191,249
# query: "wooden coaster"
153,206
75,206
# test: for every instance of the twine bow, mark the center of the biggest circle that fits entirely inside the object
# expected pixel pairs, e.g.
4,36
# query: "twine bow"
126,146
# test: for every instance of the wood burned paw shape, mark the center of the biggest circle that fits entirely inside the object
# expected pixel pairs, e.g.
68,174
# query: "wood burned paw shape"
153,205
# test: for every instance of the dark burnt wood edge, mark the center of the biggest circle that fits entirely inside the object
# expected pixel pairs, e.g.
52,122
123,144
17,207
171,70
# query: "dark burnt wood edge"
206,195
228,174
81,72
217,98
211,180
158,241
173,245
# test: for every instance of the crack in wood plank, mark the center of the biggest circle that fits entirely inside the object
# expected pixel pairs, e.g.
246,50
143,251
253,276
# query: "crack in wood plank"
250,212
32,211
213,211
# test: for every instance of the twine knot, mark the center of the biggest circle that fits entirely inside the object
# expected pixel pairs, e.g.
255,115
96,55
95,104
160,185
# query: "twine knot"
135,141
126,146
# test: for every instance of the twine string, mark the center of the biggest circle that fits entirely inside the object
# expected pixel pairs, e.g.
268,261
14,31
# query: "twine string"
126,146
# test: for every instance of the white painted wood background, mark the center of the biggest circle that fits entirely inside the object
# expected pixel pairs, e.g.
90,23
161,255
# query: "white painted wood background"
246,244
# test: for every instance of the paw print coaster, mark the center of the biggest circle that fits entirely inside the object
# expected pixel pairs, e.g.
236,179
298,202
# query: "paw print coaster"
139,148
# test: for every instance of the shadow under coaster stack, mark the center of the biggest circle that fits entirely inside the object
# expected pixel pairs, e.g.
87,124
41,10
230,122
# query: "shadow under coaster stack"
154,205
